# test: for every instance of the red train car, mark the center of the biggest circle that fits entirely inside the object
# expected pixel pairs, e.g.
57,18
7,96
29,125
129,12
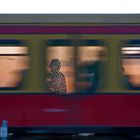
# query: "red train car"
70,73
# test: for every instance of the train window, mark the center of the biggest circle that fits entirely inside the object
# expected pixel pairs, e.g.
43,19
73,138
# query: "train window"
60,67
14,64
74,69
131,65
90,59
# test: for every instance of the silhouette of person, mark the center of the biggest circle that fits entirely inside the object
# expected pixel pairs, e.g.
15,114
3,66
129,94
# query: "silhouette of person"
96,68
56,80
91,71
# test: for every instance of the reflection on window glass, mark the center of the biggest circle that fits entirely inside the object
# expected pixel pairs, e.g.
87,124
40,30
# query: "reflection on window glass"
90,59
60,69
13,66
131,67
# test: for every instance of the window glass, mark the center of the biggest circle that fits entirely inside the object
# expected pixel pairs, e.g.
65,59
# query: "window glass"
131,66
14,64
90,60
74,69
60,69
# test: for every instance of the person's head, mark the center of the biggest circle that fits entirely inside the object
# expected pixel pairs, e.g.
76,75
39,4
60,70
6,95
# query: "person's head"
55,65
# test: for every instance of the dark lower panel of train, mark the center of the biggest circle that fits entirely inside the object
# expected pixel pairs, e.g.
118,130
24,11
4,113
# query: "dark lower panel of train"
75,130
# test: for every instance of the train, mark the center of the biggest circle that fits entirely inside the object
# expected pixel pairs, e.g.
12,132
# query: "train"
70,73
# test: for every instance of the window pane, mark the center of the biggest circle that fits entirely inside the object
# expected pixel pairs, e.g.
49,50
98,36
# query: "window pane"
14,64
131,67
90,59
60,69
13,50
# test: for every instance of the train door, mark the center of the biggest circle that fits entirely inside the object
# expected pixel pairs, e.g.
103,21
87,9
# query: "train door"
75,73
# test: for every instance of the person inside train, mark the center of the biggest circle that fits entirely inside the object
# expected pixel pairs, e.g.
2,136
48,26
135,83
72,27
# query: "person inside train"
97,68
90,74
55,79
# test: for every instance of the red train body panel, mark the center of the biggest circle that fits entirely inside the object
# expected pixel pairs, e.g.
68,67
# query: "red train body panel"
91,110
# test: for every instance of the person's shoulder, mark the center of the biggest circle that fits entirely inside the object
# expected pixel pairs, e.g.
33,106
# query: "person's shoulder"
61,73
